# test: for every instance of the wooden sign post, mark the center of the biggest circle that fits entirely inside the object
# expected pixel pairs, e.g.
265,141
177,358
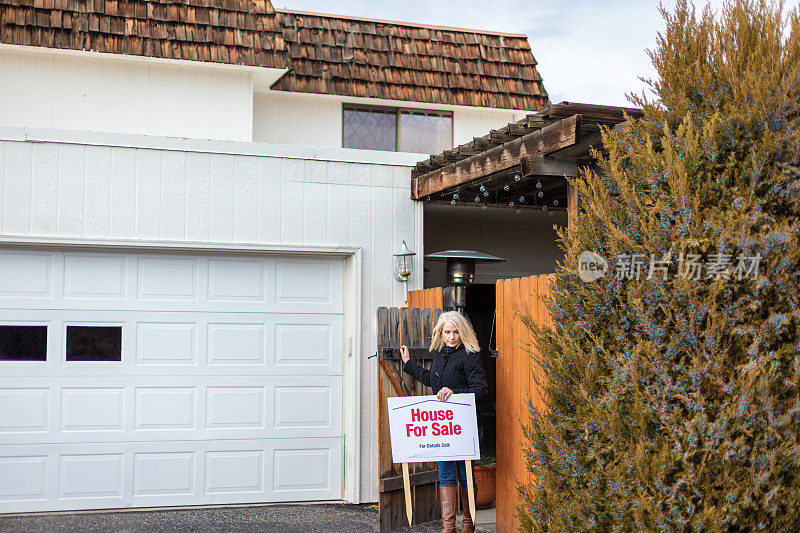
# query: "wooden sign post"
407,491
470,489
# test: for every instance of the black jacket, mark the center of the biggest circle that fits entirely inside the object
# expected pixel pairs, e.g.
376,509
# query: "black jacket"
461,371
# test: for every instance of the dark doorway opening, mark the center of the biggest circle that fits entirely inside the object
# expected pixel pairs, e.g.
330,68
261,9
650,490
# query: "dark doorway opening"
480,309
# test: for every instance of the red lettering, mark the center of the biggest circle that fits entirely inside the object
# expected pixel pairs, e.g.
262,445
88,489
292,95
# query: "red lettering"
435,429
418,431
449,414
415,415
456,430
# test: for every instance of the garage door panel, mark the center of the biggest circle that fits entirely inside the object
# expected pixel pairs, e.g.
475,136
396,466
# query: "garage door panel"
103,475
89,475
163,408
91,409
164,474
309,471
23,478
167,279
37,280
236,343
24,410
236,471
306,344
26,276
166,343
95,277
214,379
267,344
235,407
305,407
303,286
237,281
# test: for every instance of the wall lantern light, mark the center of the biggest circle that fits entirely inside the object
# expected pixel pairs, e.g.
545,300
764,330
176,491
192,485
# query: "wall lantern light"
403,263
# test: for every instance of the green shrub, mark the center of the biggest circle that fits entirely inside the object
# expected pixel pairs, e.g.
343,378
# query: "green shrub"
672,404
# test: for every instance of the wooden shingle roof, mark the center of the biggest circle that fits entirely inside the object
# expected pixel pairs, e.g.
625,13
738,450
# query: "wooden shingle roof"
349,56
239,32
326,54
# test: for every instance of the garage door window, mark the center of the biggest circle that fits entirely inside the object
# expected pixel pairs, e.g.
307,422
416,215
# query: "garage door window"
94,343
23,343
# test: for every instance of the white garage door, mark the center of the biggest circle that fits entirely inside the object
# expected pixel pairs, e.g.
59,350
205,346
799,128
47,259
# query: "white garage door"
144,380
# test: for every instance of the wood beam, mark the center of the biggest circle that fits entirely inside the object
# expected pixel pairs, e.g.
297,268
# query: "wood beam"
500,137
483,143
548,166
592,113
592,140
518,130
417,478
572,206
453,155
542,142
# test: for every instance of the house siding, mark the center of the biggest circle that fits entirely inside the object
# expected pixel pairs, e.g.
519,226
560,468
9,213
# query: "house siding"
317,120
80,191
93,92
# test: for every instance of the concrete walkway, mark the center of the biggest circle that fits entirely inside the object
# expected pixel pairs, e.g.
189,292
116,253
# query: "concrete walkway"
312,518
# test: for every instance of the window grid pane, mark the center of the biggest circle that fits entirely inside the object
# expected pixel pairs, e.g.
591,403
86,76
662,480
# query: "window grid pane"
425,132
23,343
94,343
370,129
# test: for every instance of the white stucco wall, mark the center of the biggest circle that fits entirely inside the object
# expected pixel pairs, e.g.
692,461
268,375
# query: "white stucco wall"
527,241
87,91
470,123
304,119
316,120
96,187
124,94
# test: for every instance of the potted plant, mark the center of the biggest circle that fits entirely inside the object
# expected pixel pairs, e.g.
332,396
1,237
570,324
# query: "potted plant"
485,476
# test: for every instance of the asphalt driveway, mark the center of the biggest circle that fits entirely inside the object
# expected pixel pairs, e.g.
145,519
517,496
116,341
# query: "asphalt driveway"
332,517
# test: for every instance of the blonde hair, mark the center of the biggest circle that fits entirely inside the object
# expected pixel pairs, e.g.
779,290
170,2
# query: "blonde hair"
462,324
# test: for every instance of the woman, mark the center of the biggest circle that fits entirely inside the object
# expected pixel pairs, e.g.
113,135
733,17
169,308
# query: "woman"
456,369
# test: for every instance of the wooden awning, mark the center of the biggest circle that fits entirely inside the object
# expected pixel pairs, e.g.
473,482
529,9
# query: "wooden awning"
524,157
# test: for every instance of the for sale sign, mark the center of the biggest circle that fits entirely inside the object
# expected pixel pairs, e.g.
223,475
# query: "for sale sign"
424,429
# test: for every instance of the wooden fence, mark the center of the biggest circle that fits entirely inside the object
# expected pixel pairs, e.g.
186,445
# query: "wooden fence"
425,299
514,383
413,328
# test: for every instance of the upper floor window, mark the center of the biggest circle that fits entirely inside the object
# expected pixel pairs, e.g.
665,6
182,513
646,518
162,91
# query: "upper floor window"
394,129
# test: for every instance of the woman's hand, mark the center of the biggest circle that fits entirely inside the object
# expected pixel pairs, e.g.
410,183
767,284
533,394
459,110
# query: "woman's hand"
443,394
404,354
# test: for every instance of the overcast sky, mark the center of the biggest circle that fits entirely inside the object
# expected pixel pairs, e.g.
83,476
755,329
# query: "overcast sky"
588,50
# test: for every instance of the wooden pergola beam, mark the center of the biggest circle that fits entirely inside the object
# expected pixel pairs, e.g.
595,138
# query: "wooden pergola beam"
603,114
548,166
556,136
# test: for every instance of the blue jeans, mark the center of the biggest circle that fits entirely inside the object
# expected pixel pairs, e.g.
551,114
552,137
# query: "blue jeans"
447,473
449,469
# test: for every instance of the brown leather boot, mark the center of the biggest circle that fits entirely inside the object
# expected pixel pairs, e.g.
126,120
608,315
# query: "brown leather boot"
467,523
447,497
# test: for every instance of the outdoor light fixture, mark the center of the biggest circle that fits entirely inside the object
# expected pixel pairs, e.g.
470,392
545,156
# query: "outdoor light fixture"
403,263
461,270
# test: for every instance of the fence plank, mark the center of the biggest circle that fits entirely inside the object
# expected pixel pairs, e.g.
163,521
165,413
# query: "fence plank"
503,369
515,369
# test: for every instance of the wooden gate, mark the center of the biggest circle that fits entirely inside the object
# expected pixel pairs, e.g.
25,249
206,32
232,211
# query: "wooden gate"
514,382
411,327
